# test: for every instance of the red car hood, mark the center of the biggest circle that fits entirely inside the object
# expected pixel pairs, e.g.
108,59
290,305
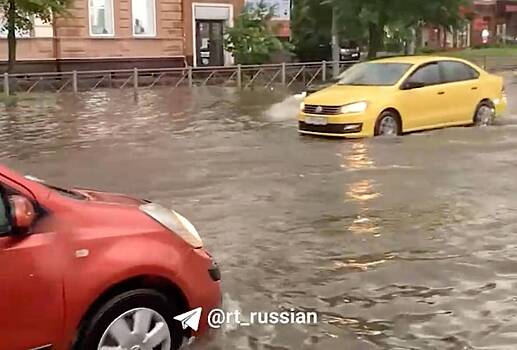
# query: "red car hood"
106,197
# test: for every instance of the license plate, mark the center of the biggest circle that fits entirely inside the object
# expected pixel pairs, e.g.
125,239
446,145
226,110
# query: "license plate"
316,121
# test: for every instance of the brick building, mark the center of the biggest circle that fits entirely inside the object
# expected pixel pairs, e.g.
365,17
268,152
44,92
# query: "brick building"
117,34
498,17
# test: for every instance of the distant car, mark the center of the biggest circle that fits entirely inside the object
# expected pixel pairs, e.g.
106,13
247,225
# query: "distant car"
396,95
350,52
89,270
509,39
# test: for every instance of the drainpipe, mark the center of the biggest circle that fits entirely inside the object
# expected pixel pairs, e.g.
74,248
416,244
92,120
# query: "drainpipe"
335,43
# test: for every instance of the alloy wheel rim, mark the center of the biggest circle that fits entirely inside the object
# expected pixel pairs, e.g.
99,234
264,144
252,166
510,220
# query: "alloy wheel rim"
388,126
485,115
137,329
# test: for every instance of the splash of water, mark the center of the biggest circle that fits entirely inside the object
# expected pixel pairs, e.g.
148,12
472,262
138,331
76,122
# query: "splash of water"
288,109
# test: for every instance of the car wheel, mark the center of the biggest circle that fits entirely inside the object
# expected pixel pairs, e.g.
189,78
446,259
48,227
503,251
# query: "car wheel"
485,114
388,124
141,319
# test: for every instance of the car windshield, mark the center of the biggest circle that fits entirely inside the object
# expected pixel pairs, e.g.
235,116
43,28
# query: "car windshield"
374,74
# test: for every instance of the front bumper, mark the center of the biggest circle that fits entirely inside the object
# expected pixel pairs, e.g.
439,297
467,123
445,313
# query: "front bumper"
338,125
336,130
201,286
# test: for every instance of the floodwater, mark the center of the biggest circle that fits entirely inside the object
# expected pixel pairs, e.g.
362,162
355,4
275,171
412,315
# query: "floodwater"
406,243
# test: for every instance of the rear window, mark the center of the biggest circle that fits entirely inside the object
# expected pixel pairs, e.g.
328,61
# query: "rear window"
457,71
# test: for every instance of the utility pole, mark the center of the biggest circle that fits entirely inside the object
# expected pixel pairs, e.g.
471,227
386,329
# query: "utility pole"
412,41
335,43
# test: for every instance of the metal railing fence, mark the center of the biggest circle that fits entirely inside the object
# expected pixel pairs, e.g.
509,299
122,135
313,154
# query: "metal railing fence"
241,76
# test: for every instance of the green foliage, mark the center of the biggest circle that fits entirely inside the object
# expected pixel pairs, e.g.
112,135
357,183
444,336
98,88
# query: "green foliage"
19,14
25,10
251,40
371,19
311,23
425,51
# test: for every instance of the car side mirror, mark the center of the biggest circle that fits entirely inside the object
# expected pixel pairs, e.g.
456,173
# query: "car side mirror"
412,84
23,213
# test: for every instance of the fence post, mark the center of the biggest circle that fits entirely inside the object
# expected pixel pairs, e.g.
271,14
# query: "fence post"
74,81
484,63
239,76
135,81
283,73
6,84
324,71
189,76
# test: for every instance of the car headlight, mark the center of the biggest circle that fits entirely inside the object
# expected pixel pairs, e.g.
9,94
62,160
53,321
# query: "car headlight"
174,222
358,107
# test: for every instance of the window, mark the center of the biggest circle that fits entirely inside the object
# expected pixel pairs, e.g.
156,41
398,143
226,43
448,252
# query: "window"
101,17
42,29
4,222
457,71
3,29
144,20
374,74
428,74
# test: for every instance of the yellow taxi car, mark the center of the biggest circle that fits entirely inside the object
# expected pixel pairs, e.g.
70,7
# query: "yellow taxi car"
396,95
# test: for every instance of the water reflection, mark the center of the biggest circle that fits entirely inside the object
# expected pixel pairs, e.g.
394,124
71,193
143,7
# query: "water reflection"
361,191
356,157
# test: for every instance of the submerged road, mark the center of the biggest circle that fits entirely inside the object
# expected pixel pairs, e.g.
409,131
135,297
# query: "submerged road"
406,243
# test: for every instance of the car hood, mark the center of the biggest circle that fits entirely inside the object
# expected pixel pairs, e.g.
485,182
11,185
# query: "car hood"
109,198
339,95
311,89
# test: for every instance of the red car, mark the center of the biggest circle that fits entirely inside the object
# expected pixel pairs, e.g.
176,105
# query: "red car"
89,270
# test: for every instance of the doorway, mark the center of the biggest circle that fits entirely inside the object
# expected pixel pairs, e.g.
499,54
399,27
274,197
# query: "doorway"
210,42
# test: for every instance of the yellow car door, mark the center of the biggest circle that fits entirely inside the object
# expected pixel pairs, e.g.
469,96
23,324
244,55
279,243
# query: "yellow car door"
421,98
463,89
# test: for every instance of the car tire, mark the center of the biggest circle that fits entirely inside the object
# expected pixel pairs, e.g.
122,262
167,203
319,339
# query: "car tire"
388,124
485,114
94,332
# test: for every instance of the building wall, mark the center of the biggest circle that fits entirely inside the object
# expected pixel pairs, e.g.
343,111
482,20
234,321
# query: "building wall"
485,18
487,14
74,38
73,47
30,49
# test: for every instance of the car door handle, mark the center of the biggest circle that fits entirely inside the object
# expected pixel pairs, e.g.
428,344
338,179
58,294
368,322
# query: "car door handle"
474,88
441,93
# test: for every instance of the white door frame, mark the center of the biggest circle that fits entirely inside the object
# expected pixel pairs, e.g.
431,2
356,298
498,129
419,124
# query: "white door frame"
228,59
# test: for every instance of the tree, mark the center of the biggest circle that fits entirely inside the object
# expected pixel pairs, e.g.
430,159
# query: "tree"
251,40
376,18
18,17
311,24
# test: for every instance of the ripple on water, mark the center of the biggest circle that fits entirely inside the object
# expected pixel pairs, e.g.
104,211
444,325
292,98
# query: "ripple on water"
406,243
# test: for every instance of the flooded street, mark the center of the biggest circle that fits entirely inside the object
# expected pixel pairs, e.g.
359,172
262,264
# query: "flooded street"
403,243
